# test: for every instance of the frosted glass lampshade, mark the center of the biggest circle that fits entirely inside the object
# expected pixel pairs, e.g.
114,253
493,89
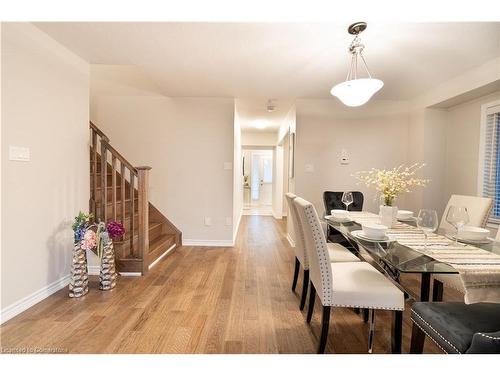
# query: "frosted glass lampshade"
356,92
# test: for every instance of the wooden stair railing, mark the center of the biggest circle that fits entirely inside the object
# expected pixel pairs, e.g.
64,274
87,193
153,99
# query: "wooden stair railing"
125,180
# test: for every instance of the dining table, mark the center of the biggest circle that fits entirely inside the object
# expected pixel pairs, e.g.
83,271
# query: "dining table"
394,258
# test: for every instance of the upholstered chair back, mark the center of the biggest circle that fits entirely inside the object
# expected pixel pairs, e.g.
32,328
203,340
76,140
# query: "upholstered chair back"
333,201
300,245
320,271
479,209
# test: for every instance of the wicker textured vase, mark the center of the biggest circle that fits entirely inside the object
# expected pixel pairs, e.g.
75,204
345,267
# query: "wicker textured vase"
79,282
107,276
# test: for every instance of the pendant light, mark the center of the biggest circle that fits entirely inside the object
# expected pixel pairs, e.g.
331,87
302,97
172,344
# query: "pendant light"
356,91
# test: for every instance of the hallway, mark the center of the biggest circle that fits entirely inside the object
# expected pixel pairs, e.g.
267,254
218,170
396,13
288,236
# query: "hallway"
199,300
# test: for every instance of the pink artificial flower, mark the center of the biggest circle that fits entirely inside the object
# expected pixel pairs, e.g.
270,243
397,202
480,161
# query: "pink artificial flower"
89,240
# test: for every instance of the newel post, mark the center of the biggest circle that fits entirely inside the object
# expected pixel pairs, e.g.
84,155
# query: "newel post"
143,208
104,179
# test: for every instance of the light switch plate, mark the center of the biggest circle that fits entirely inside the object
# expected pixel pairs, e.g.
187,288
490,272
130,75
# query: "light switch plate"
208,221
228,165
18,153
229,221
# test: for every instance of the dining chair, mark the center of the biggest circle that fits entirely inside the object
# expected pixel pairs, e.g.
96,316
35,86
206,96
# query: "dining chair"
456,327
479,209
346,284
333,201
337,252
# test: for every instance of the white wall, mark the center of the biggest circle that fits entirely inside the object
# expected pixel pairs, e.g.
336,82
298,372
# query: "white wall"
278,182
186,141
427,144
375,135
45,107
258,139
462,146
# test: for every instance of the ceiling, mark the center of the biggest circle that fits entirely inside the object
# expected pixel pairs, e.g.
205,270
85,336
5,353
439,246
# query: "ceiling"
281,60
254,117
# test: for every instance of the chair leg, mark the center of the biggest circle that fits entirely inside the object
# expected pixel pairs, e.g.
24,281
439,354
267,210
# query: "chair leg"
305,282
437,291
372,329
325,325
417,340
296,273
397,331
366,313
312,297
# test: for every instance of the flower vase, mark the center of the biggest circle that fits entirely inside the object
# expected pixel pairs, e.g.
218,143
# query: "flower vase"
388,215
79,278
107,276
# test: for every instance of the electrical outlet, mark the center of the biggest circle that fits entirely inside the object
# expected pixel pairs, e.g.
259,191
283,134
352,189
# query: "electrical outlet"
309,168
208,221
344,157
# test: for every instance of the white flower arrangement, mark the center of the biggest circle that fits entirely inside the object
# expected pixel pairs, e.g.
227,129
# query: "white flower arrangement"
393,182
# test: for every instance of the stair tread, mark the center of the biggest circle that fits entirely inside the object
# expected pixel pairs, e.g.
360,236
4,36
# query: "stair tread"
161,240
151,225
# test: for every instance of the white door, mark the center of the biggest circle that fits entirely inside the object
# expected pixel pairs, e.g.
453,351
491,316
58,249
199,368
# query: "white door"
262,178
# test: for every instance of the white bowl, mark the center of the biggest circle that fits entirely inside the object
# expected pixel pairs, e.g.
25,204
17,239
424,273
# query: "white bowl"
373,230
404,215
340,214
468,232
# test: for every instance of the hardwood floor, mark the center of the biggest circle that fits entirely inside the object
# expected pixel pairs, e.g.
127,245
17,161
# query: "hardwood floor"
201,300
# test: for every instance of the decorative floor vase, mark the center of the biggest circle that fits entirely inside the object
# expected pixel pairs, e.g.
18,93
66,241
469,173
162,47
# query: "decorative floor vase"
107,276
388,216
79,282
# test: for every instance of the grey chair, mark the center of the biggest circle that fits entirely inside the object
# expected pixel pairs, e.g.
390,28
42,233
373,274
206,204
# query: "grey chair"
456,327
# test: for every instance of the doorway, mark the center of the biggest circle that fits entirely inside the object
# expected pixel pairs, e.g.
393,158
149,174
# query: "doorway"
258,181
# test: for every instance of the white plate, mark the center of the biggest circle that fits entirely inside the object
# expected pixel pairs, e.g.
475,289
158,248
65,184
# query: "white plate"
470,242
408,219
338,220
361,235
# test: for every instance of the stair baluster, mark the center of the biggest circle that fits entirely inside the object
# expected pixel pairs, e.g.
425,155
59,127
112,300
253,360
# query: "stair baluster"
135,253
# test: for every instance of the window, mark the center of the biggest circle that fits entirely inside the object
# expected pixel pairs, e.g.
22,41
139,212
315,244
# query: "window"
489,179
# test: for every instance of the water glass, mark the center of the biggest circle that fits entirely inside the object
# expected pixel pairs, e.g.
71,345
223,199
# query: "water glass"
457,217
427,222
347,199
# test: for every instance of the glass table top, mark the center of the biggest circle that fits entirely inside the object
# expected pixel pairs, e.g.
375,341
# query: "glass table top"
398,257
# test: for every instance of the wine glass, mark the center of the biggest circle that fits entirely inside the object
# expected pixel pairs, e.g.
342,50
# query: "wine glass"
347,199
427,222
457,216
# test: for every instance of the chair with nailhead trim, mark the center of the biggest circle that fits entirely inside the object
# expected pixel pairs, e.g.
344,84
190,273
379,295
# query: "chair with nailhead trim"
456,327
346,284
337,252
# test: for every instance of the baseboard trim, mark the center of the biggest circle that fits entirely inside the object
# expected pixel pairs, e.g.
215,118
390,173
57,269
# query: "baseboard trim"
290,240
127,274
208,243
25,303
162,256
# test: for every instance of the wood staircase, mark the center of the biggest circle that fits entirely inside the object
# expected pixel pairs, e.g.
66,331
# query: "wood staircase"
124,189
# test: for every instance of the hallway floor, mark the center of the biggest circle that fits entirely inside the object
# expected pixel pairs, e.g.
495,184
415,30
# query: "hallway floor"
200,300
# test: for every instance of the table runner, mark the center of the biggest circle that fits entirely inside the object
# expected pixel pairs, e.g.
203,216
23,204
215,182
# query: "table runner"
478,269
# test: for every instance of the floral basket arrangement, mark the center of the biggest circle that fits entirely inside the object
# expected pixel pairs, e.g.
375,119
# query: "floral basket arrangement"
98,237
83,240
390,184
105,251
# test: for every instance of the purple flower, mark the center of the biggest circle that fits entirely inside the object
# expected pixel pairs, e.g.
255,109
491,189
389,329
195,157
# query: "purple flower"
115,229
